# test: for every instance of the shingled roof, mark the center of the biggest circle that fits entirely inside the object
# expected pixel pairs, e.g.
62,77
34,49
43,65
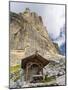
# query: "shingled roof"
33,58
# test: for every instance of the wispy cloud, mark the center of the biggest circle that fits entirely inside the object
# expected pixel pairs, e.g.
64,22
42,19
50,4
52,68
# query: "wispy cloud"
54,19
61,38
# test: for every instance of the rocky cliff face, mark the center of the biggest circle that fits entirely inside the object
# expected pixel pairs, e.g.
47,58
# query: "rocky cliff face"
28,33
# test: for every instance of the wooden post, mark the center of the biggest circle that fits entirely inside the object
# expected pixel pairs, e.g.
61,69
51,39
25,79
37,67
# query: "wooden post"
26,73
42,73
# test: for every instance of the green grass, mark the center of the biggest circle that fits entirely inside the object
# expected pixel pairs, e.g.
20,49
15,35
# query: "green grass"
48,79
15,72
14,68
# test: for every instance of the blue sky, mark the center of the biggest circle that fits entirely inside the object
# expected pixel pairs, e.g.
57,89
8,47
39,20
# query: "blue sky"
53,17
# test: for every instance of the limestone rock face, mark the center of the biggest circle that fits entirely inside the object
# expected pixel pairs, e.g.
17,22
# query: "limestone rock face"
28,33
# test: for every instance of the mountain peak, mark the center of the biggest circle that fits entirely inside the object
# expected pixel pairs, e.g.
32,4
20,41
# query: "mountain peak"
29,33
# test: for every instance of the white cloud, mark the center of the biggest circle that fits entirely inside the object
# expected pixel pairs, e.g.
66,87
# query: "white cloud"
60,41
54,19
